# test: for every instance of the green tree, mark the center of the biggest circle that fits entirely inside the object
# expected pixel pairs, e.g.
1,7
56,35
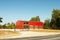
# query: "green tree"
37,19
10,25
47,24
33,19
1,19
0,26
55,21
4,26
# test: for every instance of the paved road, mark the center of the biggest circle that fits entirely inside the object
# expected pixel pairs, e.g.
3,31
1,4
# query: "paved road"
51,37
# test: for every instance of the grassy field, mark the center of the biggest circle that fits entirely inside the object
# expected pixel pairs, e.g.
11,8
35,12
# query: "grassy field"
8,33
45,30
4,33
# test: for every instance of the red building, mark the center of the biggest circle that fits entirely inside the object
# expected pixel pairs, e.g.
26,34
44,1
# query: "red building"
29,25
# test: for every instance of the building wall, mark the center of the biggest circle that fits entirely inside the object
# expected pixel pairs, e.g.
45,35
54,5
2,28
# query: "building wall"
20,25
30,24
38,24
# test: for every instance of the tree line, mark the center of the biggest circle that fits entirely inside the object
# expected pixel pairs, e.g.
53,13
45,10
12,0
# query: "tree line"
7,25
53,23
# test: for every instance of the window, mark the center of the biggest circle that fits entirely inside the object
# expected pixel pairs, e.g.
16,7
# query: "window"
36,27
31,26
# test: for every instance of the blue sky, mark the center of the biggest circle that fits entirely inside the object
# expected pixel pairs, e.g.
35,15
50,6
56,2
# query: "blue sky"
13,10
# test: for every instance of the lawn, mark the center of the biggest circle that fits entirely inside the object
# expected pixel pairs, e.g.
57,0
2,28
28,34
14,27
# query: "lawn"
45,30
